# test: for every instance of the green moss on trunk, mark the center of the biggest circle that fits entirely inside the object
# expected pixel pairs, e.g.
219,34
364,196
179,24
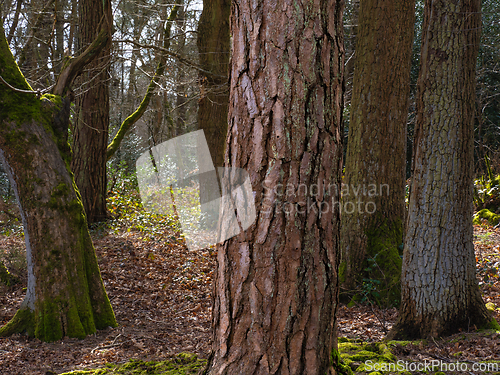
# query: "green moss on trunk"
65,295
384,262
379,279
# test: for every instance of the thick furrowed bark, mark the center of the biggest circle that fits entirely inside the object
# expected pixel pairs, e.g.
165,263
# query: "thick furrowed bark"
440,294
373,201
276,283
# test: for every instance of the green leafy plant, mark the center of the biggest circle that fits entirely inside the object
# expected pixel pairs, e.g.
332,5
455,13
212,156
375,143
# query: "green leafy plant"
128,212
487,189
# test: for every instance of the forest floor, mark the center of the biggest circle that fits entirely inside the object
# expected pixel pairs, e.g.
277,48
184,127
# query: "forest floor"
160,292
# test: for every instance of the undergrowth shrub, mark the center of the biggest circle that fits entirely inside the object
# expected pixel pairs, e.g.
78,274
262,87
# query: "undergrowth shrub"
128,213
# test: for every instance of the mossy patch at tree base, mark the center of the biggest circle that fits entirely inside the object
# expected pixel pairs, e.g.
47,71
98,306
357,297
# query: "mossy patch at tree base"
487,215
363,357
371,358
182,364
493,325
379,280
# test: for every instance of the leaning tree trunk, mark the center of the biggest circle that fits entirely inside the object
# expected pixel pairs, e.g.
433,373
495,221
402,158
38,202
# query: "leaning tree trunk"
440,294
90,136
276,283
65,294
373,199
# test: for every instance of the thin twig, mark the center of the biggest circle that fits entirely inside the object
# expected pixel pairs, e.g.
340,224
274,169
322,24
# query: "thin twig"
37,92
108,346
380,321
16,89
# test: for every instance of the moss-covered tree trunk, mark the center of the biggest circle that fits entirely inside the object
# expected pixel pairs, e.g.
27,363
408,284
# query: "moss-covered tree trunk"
276,283
90,134
373,199
440,294
65,294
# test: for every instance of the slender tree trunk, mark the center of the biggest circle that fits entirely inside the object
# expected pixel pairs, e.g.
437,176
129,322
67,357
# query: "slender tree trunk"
351,17
137,114
440,294
276,283
90,139
72,27
373,200
180,86
15,21
58,30
65,294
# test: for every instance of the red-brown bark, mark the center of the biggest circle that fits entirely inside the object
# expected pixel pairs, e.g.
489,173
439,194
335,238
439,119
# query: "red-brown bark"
276,283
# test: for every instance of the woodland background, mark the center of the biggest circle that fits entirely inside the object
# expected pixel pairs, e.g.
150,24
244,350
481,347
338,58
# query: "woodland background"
160,291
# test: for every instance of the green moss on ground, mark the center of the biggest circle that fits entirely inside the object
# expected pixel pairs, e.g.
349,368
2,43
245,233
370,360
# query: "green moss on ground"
486,214
182,364
366,357
377,358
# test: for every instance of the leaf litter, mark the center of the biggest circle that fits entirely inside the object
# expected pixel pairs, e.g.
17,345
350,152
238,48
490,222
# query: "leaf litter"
160,292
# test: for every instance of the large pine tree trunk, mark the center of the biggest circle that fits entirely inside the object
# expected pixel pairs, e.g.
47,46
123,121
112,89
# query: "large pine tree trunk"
440,294
373,200
276,283
65,294
90,137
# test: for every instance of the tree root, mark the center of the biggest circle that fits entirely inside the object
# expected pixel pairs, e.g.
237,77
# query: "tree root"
22,321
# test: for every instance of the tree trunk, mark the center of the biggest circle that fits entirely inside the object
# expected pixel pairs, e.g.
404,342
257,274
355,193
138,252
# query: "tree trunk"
213,47
180,85
373,199
58,30
15,21
276,283
65,294
440,294
90,136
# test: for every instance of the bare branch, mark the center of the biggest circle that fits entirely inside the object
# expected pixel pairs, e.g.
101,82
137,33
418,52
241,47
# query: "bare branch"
172,54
